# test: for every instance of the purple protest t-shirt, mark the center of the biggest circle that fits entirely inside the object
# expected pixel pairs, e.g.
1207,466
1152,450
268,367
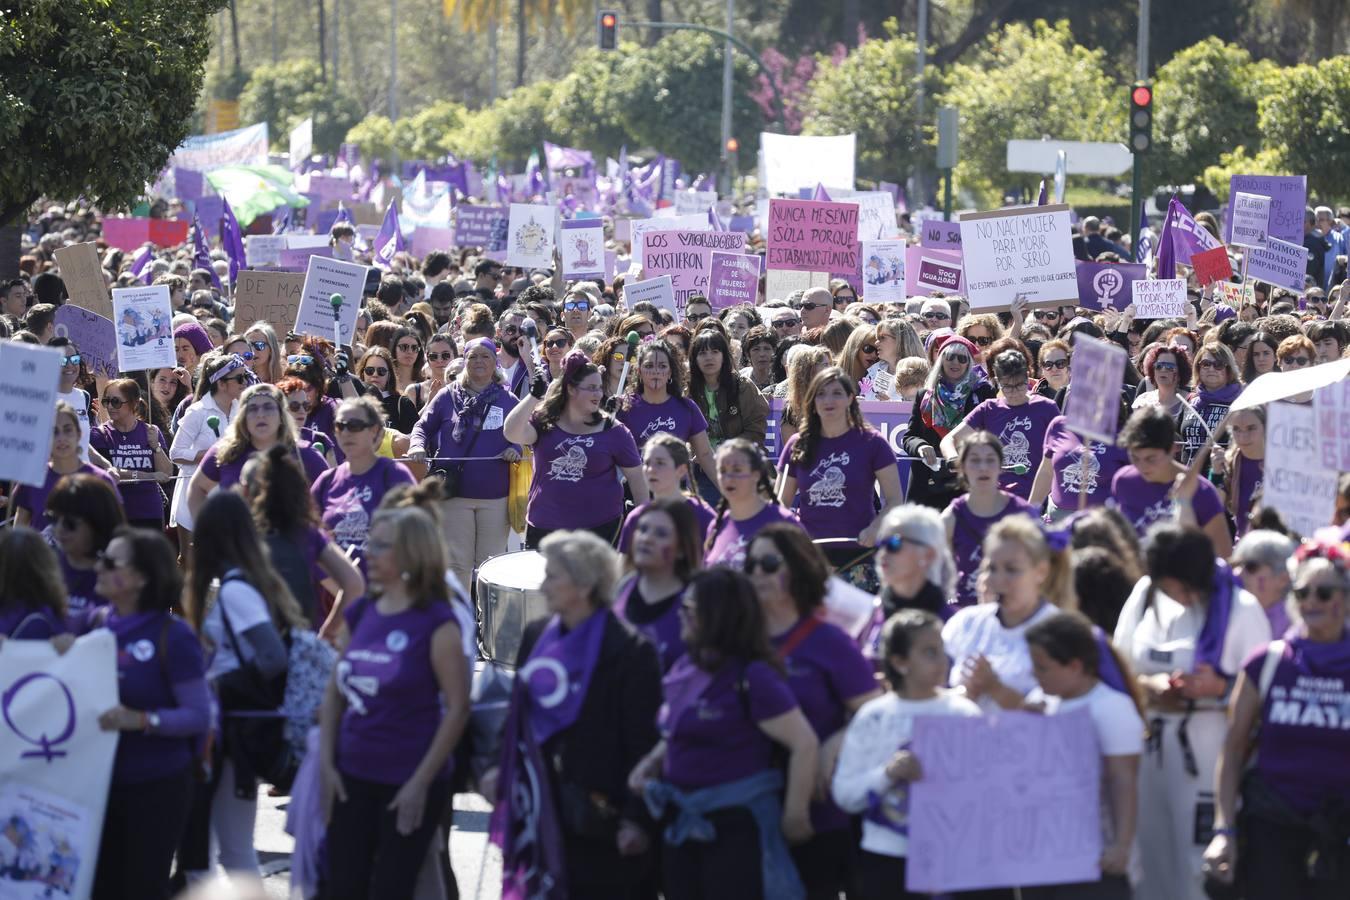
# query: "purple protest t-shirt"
130,451
658,622
835,490
35,499
1021,430
825,670
82,599
393,697
1064,449
347,502
576,483
968,540
728,548
480,479
227,474
679,416
704,513
710,739
1144,502
38,625
1249,475
321,419
145,681
1304,741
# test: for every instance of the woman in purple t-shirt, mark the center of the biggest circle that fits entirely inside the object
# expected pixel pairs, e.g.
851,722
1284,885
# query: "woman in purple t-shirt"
747,504
970,516
579,452
1239,469
665,462
85,511
1064,477
827,674
32,595
658,403
137,450
665,549
726,707
28,504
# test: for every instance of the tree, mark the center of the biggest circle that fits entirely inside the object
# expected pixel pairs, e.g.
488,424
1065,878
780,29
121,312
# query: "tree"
1306,122
510,130
1028,82
95,96
285,94
432,130
377,138
585,104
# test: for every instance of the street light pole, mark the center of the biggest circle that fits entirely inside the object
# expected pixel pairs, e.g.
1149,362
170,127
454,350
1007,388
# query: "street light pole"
728,69
1140,74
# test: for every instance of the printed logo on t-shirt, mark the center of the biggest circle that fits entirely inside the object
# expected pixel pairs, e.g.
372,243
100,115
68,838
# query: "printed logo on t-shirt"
1312,702
355,688
828,487
354,526
1071,476
1016,446
396,641
656,426
142,651
1158,512
571,465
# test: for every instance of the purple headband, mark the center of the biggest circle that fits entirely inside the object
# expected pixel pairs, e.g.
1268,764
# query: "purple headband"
234,365
480,342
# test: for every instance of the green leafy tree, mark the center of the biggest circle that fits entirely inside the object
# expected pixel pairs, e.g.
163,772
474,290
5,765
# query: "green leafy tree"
586,107
1307,122
285,94
377,138
431,131
1240,161
511,129
1028,82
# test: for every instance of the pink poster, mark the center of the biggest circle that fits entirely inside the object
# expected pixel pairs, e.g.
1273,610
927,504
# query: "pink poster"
813,236
686,256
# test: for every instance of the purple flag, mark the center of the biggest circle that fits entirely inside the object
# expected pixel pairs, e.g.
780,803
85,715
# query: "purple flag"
282,224
140,266
390,239
535,184
524,821
233,241
1143,241
201,259
715,220
820,193
1044,197
566,157
1181,236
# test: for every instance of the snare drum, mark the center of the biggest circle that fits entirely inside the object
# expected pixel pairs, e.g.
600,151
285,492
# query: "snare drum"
508,597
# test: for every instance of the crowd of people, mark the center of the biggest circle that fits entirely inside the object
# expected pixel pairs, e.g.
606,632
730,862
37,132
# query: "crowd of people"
276,516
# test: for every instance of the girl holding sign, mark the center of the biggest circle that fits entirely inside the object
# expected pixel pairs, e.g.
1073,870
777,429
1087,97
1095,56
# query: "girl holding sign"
137,451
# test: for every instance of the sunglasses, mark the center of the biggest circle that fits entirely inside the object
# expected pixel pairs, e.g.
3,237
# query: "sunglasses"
1211,364
959,358
786,323
355,427
303,359
1297,361
408,348
769,564
983,341
1323,592
1046,314
1055,363
260,346
1165,366
696,317
114,402
73,360
843,299
103,560
437,357
558,343
299,405
379,371
869,348
895,542
572,305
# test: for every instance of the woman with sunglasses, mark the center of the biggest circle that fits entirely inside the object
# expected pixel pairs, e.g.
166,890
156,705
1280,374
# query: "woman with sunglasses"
662,548
408,358
163,709
827,674
1295,795
1054,365
348,495
28,504
728,710
914,564
70,388
982,330
1185,631
466,420
267,359
441,351
1238,469
665,461
376,368
85,511
138,453
657,403
955,387
860,353
557,344
833,468
1168,369
748,503
221,382
1296,352
296,393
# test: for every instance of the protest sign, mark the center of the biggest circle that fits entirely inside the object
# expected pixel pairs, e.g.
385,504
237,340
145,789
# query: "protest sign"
657,291
1279,385
271,297
685,257
93,334
1107,285
812,236
1212,265
83,276
302,142
1331,404
1251,220
778,283
296,259
323,279
1280,263
883,265
143,321
481,226
29,376
54,785
241,147
914,257
939,235
1161,298
790,161
1009,799
1295,483
691,203
264,250
638,227
529,235
1027,251
1288,198
733,278
428,238
938,274
131,233
582,247
1092,409
876,214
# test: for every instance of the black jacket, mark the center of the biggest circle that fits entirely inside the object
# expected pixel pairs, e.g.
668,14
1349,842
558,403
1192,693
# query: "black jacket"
935,489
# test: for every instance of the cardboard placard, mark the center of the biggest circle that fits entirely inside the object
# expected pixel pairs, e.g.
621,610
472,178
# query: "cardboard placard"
271,297
1251,220
482,226
1288,199
1161,298
1092,408
812,236
658,291
83,276
143,321
883,265
92,334
29,378
1212,265
939,235
1108,285
779,283
685,256
733,278
914,257
1295,482
1026,250
582,247
529,235
1331,404
264,250
1280,263
132,233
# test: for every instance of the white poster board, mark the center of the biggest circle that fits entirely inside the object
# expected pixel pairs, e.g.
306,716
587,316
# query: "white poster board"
54,779
1251,220
639,227
693,203
1160,298
29,377
582,248
264,249
657,291
325,277
529,235
143,317
883,267
1279,263
778,283
1027,250
876,215
790,161
1295,483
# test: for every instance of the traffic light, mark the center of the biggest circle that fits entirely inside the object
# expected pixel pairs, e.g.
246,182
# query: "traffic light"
607,20
1141,117
732,146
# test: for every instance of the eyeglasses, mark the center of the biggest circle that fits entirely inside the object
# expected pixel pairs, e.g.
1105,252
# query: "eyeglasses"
303,359
1164,367
810,306
1055,363
786,323
558,343
869,348
437,357
73,360
355,426
577,305
1324,593
982,341
377,371
844,299
104,561
260,346
510,329
959,358
296,406
1297,362
1013,386
1046,314
895,543
408,348
114,402
1211,364
768,564
696,317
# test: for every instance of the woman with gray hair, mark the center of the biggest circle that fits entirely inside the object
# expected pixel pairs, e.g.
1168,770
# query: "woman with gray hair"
591,730
915,565
1261,559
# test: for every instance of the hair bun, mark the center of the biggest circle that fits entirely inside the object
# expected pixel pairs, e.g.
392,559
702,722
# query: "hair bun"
573,363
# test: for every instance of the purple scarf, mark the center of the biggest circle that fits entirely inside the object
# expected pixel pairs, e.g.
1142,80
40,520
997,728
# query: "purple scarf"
558,673
1209,646
1108,670
471,409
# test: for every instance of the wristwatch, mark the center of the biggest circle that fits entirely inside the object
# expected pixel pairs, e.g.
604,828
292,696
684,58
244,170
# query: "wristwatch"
151,722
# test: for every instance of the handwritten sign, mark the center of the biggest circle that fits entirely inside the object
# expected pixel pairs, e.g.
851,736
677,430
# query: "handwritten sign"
271,297
83,276
582,247
733,278
685,256
883,265
1331,404
529,235
914,257
481,226
264,250
1011,799
939,235
323,278
1212,265
638,227
658,291
92,334
1092,409
1107,285
1295,482
1280,263
1251,220
143,322
1028,251
876,214
1288,199
29,377
812,236
691,203
779,283
1162,298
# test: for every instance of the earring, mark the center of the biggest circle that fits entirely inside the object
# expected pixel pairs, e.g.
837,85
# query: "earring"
406,576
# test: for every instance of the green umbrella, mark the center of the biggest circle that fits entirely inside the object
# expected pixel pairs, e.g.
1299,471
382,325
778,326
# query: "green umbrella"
255,190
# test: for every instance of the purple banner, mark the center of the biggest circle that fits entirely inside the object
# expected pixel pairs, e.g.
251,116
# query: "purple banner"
1107,284
296,259
1288,199
482,226
187,184
939,275
92,334
733,278
940,235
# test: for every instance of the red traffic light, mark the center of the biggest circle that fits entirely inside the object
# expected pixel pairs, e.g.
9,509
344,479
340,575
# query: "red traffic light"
1142,95
608,20
733,145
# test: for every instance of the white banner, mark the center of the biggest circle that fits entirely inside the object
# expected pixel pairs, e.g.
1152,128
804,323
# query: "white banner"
55,764
29,377
241,147
1295,483
1027,250
791,161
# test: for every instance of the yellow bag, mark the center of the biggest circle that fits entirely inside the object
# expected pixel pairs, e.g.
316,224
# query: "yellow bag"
522,473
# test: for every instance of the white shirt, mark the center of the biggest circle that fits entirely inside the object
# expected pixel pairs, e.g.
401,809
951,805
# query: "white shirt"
977,631
881,727
79,399
192,437
247,609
